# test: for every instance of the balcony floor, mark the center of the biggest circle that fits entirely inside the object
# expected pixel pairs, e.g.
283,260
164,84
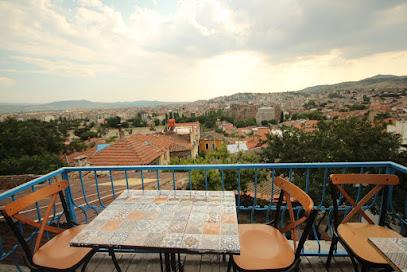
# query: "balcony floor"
102,262
200,263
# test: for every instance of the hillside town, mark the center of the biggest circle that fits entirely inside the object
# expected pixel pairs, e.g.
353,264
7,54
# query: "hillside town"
240,123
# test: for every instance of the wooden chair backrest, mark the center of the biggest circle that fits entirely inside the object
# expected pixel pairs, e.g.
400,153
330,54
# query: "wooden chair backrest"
379,181
51,191
292,191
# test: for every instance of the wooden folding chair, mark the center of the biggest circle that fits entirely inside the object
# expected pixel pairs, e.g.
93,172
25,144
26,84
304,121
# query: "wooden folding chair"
354,234
264,247
55,254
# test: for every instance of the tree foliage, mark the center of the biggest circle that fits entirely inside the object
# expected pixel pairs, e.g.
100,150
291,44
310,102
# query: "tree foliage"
339,140
29,146
310,115
351,140
213,178
113,122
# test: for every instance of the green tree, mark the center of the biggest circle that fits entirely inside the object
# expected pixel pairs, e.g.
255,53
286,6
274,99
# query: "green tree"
339,140
349,140
75,146
268,122
137,122
213,178
29,146
310,104
113,122
310,115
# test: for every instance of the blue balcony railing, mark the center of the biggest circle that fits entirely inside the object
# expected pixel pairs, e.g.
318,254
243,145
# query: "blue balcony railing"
91,189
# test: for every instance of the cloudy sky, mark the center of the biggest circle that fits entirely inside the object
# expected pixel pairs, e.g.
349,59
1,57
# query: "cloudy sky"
186,50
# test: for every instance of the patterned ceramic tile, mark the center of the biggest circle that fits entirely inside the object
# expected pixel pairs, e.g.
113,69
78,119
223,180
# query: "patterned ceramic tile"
136,238
118,238
177,226
191,241
394,250
172,240
197,221
230,243
154,239
193,228
212,217
229,218
211,228
229,229
209,242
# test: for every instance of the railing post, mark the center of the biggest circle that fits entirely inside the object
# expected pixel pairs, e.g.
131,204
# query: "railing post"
403,226
69,197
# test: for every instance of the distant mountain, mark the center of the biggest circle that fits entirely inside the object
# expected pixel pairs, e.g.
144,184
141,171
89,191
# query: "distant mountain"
377,81
78,105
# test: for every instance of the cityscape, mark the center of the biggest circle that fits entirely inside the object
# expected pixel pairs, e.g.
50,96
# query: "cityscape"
203,136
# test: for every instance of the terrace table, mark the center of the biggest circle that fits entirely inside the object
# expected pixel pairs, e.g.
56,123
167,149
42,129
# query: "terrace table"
168,222
394,250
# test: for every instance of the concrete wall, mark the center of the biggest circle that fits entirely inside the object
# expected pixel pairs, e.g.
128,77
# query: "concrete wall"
400,127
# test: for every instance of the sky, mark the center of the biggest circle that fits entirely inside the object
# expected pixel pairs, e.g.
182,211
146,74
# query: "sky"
188,50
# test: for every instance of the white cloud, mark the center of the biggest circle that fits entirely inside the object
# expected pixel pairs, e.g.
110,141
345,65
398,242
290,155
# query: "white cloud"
6,82
205,47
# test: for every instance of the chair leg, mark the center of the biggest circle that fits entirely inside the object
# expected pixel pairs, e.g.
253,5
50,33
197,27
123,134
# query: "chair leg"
334,243
229,263
354,263
88,258
365,267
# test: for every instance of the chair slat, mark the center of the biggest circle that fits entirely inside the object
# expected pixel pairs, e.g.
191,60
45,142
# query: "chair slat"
358,207
37,225
292,218
299,195
45,222
27,200
385,179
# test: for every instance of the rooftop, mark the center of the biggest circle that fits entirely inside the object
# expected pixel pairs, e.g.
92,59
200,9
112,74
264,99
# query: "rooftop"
139,149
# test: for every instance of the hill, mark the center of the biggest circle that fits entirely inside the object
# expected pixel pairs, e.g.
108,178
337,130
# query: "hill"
78,105
375,82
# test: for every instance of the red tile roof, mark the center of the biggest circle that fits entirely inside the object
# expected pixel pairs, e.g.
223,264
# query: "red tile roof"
138,149
71,158
263,132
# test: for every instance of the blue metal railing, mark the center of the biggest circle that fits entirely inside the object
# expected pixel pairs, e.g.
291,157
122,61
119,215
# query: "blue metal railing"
89,192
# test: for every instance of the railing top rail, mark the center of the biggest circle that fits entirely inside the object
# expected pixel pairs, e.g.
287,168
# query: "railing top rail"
27,185
313,165
398,167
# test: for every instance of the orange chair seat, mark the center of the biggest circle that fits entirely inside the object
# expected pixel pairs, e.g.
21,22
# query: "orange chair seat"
263,247
356,235
56,253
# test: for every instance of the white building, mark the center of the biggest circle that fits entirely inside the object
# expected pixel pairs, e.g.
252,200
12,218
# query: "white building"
399,127
237,147
268,113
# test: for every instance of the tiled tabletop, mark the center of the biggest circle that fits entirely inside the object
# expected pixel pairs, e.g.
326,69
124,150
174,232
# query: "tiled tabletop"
179,221
394,250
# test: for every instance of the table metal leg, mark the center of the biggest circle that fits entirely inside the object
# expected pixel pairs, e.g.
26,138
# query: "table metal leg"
161,263
116,264
180,266
173,262
167,262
